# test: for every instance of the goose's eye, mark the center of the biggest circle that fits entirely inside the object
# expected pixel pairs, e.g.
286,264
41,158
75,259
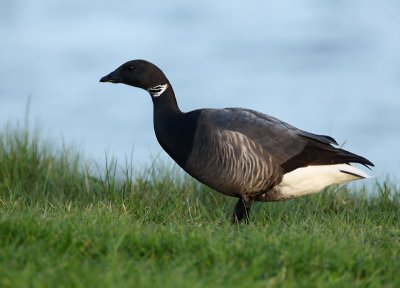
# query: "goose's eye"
131,68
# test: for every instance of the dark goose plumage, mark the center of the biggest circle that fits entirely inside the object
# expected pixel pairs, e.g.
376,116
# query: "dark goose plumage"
240,152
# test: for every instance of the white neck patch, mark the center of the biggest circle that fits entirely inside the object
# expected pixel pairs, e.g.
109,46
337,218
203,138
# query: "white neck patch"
156,91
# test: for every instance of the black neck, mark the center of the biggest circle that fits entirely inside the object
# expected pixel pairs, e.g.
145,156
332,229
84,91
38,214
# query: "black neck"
174,130
166,104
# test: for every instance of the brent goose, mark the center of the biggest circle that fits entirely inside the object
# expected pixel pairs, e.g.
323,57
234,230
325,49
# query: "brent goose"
240,152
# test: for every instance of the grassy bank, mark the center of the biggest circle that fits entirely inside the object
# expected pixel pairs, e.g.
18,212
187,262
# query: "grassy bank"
65,222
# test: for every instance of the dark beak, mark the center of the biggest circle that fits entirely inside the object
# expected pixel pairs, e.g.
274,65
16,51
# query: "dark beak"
110,78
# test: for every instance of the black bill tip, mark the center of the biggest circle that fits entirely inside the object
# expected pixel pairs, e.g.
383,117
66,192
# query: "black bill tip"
109,78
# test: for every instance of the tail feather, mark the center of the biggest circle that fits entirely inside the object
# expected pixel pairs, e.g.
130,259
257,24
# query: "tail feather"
337,156
316,153
357,173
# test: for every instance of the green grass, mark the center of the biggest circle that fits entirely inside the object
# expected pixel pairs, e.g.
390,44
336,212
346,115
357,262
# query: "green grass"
65,222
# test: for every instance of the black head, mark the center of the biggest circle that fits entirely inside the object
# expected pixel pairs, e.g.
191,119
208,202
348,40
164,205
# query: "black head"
137,73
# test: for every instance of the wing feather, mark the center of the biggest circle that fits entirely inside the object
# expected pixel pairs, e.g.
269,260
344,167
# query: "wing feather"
289,146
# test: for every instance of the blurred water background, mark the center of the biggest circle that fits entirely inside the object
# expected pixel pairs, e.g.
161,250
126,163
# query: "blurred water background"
328,67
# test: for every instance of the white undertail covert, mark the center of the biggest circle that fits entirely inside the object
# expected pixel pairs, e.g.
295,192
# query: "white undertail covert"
311,179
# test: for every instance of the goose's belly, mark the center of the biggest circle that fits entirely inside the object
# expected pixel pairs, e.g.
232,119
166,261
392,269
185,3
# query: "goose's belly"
233,164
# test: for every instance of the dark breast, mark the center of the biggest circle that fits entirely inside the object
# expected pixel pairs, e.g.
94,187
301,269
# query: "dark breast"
176,134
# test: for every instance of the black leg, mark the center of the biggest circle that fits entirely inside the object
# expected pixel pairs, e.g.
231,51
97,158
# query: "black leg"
242,210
